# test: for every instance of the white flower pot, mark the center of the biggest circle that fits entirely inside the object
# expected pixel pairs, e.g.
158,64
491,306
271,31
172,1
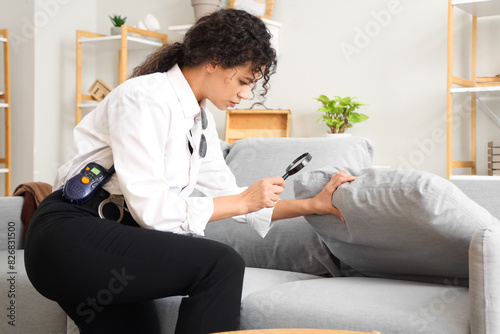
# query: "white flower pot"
204,7
338,135
116,31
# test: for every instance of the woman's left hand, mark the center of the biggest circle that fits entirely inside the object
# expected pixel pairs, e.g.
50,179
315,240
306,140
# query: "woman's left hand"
324,199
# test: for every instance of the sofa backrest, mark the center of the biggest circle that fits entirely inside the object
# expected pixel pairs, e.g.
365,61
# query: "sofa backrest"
11,226
256,158
485,192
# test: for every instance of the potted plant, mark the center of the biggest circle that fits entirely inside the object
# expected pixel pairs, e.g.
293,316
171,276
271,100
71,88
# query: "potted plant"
117,21
204,7
339,112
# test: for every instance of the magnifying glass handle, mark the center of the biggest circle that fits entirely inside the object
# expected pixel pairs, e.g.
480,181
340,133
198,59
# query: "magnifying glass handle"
285,176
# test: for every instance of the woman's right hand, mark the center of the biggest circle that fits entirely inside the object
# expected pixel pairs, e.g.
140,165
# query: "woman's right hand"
262,194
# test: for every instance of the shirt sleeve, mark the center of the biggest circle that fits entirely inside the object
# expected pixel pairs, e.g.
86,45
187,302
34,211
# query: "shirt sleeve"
216,179
138,127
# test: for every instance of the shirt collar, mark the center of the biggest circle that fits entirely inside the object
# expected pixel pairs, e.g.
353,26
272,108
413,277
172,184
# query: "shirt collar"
184,93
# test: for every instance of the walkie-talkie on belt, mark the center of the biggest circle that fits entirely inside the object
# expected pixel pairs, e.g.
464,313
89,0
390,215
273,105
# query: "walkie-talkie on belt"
81,187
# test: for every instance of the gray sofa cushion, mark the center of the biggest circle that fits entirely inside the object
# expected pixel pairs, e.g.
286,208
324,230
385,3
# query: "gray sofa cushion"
398,222
359,304
225,147
255,279
291,244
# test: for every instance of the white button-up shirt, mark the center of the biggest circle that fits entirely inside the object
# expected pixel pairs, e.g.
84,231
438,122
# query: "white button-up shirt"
143,127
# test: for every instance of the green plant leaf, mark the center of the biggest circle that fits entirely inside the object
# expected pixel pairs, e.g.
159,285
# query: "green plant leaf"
357,117
323,99
117,20
339,111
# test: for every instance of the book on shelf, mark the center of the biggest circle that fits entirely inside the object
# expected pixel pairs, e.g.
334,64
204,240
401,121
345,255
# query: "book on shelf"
493,165
493,158
494,143
494,151
494,172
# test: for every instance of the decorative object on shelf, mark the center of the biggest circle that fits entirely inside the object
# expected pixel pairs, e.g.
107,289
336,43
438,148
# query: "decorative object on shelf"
149,22
249,123
99,90
494,158
204,7
260,8
488,81
117,21
339,112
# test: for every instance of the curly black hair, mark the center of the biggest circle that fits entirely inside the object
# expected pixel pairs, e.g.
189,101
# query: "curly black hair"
227,38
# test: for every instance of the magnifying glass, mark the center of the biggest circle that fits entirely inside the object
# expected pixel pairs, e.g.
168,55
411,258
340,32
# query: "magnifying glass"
297,165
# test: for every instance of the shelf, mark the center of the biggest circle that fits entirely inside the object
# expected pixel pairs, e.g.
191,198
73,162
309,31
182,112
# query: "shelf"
3,170
474,177
3,105
479,7
139,39
90,104
182,29
475,89
3,39
114,42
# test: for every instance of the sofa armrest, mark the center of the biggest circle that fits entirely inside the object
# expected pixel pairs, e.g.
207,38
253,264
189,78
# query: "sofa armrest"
484,286
11,226
24,310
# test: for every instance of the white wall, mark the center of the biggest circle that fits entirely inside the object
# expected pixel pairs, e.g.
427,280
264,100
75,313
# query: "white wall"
16,16
55,78
391,54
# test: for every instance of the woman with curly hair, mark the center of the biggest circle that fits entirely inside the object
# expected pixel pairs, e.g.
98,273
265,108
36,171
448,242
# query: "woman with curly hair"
156,133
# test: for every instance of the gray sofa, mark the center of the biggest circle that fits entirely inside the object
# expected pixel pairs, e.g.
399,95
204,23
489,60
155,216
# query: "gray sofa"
293,278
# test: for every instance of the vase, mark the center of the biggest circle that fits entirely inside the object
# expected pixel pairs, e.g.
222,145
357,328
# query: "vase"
204,7
116,31
338,135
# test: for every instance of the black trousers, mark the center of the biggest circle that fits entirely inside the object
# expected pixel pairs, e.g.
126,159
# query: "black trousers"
105,275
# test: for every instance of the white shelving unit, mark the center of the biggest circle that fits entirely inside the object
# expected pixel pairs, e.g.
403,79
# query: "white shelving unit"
474,177
478,90
114,42
473,86
478,8
6,169
131,39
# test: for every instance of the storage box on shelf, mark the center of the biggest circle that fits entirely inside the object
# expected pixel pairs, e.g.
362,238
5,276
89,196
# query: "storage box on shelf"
5,105
249,123
475,86
122,43
494,158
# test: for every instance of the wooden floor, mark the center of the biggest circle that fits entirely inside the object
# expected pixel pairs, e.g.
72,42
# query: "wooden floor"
297,331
